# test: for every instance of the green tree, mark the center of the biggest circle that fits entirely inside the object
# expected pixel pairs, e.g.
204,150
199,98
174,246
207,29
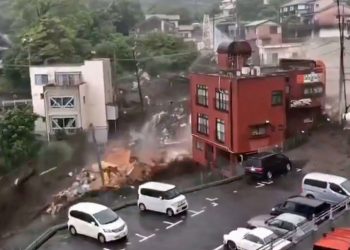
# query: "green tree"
17,139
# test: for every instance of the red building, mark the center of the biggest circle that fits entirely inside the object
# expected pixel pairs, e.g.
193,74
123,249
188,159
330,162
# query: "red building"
236,111
305,94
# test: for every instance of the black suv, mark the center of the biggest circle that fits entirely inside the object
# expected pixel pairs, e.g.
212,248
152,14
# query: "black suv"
267,165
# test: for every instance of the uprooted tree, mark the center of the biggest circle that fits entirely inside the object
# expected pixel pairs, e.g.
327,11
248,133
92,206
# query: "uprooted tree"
17,138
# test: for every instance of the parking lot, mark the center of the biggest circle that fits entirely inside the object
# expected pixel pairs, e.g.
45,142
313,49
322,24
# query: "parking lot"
212,213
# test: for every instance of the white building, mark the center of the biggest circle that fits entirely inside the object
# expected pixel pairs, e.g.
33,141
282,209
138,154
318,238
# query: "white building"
71,97
270,54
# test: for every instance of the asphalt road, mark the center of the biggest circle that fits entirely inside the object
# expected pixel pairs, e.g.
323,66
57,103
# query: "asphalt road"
212,213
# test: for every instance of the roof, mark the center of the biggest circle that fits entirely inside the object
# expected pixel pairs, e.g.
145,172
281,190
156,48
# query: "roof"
157,185
257,23
164,16
339,238
261,232
293,218
294,2
306,201
90,207
186,27
326,177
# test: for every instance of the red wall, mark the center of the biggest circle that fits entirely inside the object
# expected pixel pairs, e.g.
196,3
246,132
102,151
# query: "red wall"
253,106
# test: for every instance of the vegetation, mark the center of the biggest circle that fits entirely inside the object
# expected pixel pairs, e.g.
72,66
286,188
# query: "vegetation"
17,139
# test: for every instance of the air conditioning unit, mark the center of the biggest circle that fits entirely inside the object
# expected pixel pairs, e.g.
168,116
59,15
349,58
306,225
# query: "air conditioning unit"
257,70
245,70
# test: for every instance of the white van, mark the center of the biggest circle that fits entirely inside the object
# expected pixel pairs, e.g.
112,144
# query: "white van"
161,197
96,221
330,188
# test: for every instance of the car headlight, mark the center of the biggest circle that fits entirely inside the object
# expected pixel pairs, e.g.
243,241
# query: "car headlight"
108,230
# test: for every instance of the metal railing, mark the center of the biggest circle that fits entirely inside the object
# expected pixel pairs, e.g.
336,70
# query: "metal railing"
15,103
309,227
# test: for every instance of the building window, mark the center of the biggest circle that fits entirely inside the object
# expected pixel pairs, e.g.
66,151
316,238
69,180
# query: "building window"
202,95
65,123
285,9
274,58
203,124
41,79
273,29
200,145
220,130
68,79
259,131
222,100
313,91
62,102
277,98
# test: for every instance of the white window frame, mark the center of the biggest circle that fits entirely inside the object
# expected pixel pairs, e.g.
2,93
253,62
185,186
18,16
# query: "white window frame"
39,79
68,78
202,95
59,102
203,124
220,130
67,127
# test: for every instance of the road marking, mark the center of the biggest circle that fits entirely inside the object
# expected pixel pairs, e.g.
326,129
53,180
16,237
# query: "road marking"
172,224
212,199
259,185
267,183
219,247
47,171
235,191
299,169
128,243
195,213
214,204
143,238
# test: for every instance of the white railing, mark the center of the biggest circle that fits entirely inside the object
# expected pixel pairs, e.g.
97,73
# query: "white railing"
309,227
15,103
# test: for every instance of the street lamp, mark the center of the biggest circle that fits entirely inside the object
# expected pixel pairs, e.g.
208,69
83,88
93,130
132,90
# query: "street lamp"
28,41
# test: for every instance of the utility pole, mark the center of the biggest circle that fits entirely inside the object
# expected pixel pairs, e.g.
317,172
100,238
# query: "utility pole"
137,72
342,90
92,128
237,21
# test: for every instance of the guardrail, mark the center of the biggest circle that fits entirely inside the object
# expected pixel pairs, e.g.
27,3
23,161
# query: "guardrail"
309,227
15,103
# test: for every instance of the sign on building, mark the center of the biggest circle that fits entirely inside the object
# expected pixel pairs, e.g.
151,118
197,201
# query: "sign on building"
309,78
300,103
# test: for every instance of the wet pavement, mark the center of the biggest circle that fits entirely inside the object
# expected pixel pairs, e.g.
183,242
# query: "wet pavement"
212,213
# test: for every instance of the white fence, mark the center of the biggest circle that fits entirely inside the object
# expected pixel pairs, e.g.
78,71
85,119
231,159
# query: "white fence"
16,103
311,226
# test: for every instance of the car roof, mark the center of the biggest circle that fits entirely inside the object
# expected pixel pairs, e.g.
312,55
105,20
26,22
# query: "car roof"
339,238
292,218
157,186
306,201
261,232
325,177
88,207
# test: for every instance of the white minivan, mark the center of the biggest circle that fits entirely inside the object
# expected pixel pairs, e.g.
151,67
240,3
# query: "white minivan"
330,188
161,197
96,221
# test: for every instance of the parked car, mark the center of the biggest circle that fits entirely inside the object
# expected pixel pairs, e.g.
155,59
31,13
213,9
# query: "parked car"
267,165
96,221
338,239
161,197
252,239
330,188
282,225
305,207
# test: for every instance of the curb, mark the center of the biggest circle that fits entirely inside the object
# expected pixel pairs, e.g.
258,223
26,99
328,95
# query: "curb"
37,243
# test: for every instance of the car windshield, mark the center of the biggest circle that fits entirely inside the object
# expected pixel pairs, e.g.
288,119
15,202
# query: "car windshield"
252,162
346,186
106,216
171,194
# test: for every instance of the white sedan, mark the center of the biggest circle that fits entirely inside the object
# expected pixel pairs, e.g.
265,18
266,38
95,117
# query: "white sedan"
253,239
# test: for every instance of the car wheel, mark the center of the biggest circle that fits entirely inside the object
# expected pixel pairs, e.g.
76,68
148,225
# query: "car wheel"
101,238
288,167
170,212
269,175
310,196
142,207
72,230
231,245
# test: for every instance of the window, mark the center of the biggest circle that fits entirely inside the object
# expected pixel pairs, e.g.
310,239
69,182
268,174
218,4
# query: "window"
62,102
337,189
259,131
274,58
253,238
58,123
285,9
315,90
41,79
273,29
222,100
68,79
315,183
203,124
202,95
277,98
220,130
200,145
291,8
106,216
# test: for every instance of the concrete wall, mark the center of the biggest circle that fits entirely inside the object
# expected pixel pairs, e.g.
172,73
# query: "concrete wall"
283,51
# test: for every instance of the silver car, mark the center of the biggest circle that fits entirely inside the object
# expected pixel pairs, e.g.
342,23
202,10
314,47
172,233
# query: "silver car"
284,224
